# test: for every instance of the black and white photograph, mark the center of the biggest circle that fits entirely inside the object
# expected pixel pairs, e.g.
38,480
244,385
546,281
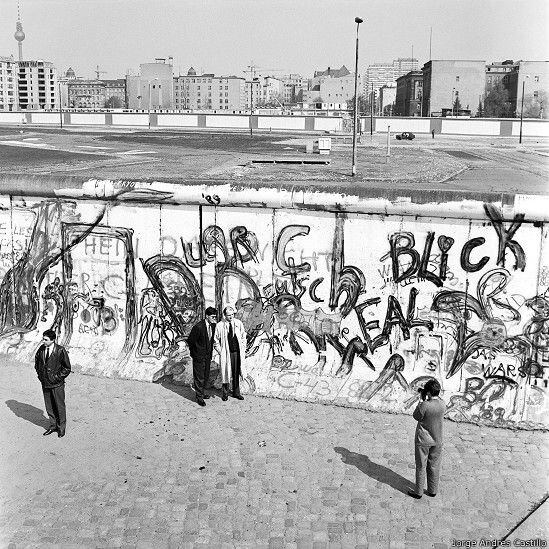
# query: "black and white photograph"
274,274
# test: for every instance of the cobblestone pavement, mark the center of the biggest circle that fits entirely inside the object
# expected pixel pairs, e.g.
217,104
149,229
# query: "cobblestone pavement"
143,465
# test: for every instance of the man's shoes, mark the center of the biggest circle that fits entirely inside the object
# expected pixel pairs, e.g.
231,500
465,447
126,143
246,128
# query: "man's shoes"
60,434
414,494
238,397
49,431
200,402
430,494
206,396
224,397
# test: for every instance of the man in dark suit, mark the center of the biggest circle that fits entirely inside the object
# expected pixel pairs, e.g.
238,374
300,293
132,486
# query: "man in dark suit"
200,343
52,365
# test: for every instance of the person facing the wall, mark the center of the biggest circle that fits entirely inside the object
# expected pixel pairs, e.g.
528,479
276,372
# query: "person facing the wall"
230,346
52,366
200,342
429,414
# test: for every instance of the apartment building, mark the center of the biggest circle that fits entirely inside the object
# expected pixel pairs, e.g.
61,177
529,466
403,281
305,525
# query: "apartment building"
37,85
8,84
96,94
210,92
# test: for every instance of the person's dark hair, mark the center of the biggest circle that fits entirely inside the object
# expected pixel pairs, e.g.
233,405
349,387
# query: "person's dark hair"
432,387
211,311
50,334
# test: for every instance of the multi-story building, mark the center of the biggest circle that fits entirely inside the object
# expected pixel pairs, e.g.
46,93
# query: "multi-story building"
332,87
96,94
207,91
292,85
153,87
495,72
444,81
37,85
8,84
409,92
63,84
252,95
387,97
381,74
271,90
115,92
532,78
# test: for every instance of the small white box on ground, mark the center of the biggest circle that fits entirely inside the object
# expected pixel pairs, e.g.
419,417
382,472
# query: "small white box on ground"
324,145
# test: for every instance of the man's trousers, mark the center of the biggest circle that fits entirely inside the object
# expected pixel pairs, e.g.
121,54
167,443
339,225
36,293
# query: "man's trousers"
201,375
54,399
428,459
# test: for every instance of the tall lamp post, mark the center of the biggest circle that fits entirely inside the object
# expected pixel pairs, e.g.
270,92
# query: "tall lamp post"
522,107
358,20
60,105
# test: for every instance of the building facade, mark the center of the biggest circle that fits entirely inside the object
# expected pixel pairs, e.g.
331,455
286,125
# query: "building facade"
382,74
95,94
208,92
271,90
153,87
292,84
495,72
37,85
387,98
444,81
409,92
533,78
8,84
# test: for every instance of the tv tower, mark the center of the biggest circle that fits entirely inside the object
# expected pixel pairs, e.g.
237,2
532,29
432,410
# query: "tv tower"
19,34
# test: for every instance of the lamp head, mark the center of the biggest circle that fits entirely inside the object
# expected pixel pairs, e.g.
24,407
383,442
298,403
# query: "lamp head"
358,20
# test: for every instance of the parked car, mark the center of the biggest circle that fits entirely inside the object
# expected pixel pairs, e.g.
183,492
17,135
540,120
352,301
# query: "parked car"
405,135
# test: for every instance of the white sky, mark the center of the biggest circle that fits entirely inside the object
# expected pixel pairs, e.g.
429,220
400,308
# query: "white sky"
225,36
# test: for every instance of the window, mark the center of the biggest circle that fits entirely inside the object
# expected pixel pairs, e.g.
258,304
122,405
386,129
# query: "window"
536,78
457,78
536,93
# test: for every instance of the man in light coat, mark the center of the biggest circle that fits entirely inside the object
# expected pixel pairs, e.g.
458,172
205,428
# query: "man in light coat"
230,348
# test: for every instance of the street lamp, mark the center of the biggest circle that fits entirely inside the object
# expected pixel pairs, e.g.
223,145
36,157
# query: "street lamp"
522,106
60,105
358,20
452,100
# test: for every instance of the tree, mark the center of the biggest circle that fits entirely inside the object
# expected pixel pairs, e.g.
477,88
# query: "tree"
535,106
363,105
497,104
456,107
114,102
480,109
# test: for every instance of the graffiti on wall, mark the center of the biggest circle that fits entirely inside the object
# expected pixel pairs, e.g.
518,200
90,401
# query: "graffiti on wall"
344,309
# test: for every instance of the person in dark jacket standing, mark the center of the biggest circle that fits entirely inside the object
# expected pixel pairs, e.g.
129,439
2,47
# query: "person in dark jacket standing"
200,342
52,365
429,415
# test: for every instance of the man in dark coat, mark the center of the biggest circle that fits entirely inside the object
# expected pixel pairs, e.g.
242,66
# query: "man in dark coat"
200,343
52,365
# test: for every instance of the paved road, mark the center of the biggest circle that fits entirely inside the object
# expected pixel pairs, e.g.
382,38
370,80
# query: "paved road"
143,466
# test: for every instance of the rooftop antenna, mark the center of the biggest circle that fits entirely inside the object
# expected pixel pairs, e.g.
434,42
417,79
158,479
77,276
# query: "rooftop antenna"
98,72
430,42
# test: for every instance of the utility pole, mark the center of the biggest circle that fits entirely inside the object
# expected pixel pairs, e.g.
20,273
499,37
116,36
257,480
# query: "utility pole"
372,111
358,20
251,70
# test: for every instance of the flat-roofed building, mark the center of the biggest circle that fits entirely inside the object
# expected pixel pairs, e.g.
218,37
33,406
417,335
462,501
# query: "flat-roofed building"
409,91
153,87
209,92
37,85
8,84
534,76
444,81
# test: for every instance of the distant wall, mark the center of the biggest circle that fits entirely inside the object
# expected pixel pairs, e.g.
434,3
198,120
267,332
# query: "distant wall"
355,309
450,126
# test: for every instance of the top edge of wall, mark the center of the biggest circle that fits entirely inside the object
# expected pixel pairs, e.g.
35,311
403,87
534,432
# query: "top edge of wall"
369,200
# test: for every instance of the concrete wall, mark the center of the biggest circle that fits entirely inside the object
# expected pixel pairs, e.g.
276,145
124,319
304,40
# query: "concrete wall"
462,126
330,316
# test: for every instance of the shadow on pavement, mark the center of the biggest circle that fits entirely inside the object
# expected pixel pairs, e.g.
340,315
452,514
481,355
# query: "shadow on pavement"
28,412
374,470
184,390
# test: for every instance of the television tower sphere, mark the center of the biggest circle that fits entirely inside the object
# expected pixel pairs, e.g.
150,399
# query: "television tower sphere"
19,34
